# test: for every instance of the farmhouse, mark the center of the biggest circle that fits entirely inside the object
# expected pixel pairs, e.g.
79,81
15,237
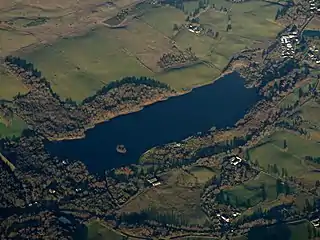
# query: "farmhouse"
223,217
235,160
52,191
194,28
154,182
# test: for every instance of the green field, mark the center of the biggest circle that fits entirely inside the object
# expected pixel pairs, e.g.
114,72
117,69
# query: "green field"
162,19
310,113
186,78
77,67
292,158
294,96
253,20
294,231
299,231
10,86
96,231
11,128
249,193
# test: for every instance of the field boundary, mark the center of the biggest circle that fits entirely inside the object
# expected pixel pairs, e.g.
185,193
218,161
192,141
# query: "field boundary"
7,162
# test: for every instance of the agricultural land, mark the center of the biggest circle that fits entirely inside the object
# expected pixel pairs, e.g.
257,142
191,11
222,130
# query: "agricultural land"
68,65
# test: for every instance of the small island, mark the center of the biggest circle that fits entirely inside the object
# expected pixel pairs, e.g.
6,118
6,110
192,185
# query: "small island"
121,149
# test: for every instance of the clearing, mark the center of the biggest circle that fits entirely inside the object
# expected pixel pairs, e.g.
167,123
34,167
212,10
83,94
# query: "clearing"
11,127
97,231
10,85
175,197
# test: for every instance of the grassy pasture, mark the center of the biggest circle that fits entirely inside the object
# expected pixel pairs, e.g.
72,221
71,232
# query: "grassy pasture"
253,27
186,78
77,67
96,231
310,112
10,86
294,96
297,146
162,19
229,44
144,42
253,20
291,159
11,127
299,231
171,197
290,231
251,191
200,44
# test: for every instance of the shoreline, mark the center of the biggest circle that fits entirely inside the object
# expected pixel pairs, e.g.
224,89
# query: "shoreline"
100,120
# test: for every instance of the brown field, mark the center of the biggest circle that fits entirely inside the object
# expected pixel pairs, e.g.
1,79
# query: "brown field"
12,40
63,18
314,24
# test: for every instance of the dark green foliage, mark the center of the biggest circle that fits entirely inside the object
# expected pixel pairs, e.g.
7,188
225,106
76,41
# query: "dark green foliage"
128,80
313,159
153,214
277,232
221,147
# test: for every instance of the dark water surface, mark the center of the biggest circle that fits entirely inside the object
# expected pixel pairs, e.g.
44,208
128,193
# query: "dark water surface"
311,33
220,104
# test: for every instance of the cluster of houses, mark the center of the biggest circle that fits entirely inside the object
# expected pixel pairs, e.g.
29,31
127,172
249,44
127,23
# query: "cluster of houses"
313,7
288,41
194,28
313,53
226,219
154,182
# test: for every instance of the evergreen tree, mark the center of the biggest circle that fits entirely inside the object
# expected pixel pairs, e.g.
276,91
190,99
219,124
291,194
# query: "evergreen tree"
285,144
263,192
300,93
279,187
275,169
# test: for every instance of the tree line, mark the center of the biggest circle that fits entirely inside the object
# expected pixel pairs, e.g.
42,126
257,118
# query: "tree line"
221,147
127,80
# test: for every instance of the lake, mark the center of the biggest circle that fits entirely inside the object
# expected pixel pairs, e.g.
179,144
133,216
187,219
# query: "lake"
220,104
311,33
